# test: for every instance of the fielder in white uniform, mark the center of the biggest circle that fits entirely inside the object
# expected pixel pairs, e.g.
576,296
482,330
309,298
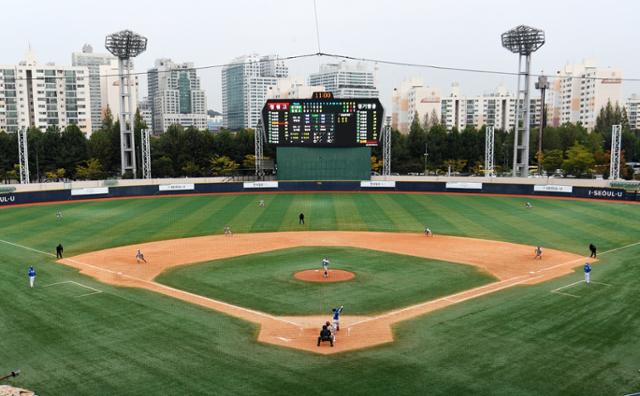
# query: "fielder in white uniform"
325,267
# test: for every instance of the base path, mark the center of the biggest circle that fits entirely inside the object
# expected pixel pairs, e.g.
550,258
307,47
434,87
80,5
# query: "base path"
512,264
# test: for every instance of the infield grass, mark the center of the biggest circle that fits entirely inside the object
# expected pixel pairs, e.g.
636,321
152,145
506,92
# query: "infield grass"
383,281
520,341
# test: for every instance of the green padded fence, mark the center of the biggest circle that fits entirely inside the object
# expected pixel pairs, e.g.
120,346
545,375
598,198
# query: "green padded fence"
314,163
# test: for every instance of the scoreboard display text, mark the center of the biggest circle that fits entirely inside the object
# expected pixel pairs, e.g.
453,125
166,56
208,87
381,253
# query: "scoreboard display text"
323,122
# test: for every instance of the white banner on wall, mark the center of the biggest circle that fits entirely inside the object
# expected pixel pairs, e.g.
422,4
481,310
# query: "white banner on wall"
176,187
264,184
464,185
553,188
90,191
378,184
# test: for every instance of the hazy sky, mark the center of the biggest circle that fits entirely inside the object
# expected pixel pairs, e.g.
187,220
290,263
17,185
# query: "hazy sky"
463,33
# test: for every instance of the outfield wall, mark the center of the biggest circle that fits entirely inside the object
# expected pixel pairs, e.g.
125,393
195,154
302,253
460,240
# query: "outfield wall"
569,188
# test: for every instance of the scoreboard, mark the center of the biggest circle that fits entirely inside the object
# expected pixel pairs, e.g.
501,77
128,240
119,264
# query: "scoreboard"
323,121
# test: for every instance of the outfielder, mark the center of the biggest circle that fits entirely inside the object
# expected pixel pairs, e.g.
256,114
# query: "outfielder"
325,267
587,273
336,317
32,276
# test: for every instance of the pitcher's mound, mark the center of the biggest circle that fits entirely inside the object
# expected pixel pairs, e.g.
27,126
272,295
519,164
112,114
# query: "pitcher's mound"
335,275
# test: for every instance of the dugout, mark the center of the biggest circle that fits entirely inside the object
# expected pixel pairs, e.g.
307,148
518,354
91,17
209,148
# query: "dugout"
321,163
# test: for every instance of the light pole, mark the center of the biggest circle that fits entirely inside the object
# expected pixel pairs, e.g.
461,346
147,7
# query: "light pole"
126,45
426,155
522,40
542,85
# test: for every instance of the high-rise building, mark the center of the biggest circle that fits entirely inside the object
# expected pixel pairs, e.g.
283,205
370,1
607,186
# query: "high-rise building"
411,98
34,95
93,62
145,112
633,111
245,83
346,80
497,108
292,88
175,96
581,91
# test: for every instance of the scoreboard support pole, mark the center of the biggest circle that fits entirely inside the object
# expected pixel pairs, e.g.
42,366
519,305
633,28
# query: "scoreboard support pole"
386,148
258,139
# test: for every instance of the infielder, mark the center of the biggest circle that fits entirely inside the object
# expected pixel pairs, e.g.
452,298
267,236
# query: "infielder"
587,273
325,267
140,257
427,231
227,231
336,317
538,253
32,276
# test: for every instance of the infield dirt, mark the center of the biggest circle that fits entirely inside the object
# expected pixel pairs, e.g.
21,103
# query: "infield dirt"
513,264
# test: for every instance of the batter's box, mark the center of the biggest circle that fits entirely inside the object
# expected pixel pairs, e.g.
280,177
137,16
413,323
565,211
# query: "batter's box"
85,290
576,289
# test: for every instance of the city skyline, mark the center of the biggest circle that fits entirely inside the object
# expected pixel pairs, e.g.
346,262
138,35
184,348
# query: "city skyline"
352,29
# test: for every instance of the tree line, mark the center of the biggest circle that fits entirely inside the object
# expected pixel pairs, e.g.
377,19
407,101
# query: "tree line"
67,154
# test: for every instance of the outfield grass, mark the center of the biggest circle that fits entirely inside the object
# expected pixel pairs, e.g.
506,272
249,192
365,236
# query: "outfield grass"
383,281
520,341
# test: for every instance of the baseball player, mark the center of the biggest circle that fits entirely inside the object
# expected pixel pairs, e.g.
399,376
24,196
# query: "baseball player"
301,218
140,257
427,231
261,203
336,317
528,205
32,276
538,253
227,231
592,249
58,215
587,273
59,250
325,267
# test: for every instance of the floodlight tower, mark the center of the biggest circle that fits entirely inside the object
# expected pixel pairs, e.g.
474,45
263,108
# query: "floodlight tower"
126,45
522,40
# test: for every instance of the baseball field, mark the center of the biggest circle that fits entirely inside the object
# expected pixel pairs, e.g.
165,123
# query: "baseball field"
468,311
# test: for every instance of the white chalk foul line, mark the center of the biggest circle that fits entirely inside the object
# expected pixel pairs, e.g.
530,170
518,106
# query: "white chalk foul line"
27,248
178,291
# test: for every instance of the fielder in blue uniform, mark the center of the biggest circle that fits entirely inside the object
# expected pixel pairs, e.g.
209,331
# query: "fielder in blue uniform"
587,272
336,317
32,276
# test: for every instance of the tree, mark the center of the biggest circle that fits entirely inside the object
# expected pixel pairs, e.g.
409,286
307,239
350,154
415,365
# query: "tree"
578,162
376,164
552,160
91,170
191,169
222,165
57,174
107,118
